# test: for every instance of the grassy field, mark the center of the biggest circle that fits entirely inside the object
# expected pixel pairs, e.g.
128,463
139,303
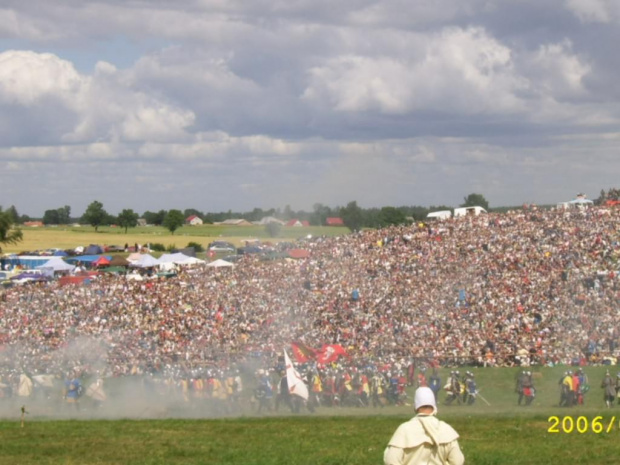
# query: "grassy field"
323,440
66,237
497,433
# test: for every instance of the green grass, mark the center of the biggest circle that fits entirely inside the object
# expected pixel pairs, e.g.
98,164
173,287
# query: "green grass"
287,440
498,433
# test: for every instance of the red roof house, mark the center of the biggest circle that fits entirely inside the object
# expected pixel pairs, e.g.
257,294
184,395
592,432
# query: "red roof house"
297,223
334,222
193,220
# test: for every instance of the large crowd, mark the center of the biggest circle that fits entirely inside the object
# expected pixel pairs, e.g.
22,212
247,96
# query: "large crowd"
531,286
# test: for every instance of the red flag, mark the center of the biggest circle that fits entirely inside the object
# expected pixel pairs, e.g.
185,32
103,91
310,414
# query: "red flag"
302,352
330,353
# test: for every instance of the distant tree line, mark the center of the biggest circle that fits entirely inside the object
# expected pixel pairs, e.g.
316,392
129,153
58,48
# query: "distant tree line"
610,194
353,216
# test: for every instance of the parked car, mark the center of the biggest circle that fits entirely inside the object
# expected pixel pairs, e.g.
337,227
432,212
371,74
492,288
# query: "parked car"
249,249
222,246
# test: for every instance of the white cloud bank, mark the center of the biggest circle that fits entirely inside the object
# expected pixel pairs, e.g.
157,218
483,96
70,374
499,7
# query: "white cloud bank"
304,102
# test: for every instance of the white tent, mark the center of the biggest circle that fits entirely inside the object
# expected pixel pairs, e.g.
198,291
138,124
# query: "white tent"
219,263
145,261
179,259
172,257
134,257
580,201
56,264
168,261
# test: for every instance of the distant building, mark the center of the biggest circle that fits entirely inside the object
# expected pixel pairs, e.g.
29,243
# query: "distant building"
193,220
269,219
142,222
235,222
297,223
34,224
333,221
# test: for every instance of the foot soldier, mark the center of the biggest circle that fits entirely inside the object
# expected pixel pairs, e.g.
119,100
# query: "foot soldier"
529,392
453,388
471,390
609,386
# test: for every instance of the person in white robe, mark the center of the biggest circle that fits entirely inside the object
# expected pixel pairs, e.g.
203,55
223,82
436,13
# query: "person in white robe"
424,439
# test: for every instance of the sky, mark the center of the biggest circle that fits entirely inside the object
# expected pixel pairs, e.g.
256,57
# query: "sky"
225,105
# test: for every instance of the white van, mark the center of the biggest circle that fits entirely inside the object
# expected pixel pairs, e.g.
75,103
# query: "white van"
439,215
464,211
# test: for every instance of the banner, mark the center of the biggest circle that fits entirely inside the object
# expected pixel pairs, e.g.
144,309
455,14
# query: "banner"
296,385
330,353
302,352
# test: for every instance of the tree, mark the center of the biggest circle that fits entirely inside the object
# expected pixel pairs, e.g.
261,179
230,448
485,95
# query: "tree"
50,217
64,215
156,219
288,213
12,211
9,234
60,215
476,200
173,220
127,219
391,216
95,215
352,216
273,229
320,214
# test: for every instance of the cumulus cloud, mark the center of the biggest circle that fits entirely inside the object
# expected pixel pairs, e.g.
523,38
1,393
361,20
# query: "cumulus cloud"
323,97
595,11
461,70
104,105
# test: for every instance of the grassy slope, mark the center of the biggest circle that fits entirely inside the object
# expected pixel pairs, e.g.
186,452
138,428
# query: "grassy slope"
71,237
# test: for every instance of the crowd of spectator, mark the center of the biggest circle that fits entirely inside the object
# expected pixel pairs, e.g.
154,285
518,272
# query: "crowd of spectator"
531,286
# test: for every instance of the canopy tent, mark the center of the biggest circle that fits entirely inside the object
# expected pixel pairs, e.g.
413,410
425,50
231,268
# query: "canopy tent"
187,251
61,253
57,264
179,259
87,258
580,201
172,258
134,257
145,261
25,261
102,261
219,263
117,260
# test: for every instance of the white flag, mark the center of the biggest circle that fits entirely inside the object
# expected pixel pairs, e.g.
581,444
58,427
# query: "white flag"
296,385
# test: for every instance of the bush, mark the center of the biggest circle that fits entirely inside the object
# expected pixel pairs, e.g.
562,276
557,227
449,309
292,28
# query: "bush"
158,247
171,247
197,247
273,229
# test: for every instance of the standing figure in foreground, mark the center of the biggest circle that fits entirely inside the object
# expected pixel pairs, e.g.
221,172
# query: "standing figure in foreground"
424,438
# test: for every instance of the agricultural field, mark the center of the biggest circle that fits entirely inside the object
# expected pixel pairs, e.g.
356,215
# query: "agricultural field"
493,432
70,237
